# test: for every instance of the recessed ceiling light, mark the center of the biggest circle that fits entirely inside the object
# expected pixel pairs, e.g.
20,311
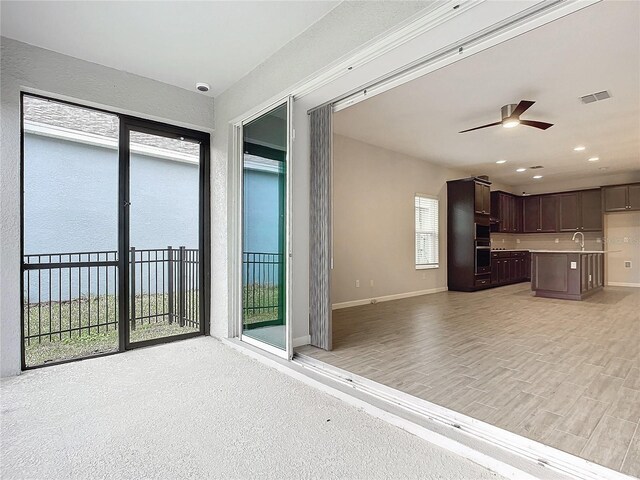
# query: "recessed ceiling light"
501,161
537,176
594,159
579,148
202,87
521,170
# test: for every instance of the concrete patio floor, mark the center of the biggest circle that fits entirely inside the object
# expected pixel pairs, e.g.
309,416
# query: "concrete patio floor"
199,409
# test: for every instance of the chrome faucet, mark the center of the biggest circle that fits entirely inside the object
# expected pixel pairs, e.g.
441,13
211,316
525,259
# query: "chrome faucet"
581,241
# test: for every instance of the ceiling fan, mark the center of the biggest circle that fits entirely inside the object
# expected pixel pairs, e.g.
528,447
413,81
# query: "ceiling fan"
511,117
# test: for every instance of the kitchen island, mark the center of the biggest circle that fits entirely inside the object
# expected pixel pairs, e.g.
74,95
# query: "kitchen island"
567,274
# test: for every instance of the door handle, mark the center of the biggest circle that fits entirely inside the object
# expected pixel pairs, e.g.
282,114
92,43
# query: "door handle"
126,204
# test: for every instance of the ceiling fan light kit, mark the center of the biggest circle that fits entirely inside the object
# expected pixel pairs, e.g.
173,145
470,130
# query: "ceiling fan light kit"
511,117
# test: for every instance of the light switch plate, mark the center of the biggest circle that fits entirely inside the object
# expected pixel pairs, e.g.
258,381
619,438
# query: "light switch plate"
627,264
574,265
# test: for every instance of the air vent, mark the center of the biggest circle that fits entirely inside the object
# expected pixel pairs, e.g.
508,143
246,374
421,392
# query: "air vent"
536,167
595,97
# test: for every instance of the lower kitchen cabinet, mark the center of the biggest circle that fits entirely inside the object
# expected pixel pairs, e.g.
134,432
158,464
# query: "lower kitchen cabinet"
510,267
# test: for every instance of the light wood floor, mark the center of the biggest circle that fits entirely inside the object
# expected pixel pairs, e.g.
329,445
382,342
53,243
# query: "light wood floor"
561,372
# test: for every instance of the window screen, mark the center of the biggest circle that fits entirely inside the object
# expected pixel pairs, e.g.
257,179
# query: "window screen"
426,214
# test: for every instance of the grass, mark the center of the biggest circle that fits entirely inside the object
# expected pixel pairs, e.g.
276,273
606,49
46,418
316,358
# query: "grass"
88,325
260,303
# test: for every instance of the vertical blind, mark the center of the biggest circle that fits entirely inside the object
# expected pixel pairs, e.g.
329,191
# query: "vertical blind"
320,131
426,214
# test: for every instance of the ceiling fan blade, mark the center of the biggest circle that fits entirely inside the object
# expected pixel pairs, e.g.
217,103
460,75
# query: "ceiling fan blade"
533,123
483,126
522,107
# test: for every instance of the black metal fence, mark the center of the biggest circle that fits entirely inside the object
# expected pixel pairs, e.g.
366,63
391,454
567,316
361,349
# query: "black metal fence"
73,294
262,275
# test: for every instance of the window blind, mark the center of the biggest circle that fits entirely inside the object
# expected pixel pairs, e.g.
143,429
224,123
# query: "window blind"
426,214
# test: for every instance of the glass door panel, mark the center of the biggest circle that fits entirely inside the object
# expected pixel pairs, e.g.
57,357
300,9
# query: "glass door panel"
164,230
264,212
70,231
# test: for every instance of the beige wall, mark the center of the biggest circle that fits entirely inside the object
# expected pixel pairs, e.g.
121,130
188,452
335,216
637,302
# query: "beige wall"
622,232
373,221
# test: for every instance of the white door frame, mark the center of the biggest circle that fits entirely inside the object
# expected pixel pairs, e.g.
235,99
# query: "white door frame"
236,253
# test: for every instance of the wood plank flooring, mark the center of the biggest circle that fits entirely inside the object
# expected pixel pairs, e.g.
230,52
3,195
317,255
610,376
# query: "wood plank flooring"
560,372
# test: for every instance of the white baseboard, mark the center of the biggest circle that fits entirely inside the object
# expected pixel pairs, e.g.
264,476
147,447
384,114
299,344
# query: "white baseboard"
300,341
622,284
386,298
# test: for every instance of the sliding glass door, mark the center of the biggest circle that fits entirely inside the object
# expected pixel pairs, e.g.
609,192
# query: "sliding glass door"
265,180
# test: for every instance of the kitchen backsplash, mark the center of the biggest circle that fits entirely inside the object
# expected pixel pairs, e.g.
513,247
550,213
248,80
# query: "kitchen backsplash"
546,241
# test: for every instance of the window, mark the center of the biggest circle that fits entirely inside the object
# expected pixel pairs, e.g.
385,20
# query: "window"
426,214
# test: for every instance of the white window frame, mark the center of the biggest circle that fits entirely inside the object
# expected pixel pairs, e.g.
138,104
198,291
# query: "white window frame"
425,266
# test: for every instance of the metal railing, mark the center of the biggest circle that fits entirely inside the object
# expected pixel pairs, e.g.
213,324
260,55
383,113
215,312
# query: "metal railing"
69,295
262,274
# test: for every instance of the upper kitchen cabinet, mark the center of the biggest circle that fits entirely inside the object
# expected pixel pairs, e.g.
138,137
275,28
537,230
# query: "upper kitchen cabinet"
568,212
482,198
591,210
540,214
506,209
621,198
580,211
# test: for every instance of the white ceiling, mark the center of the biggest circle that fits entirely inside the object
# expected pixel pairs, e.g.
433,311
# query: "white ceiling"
179,43
595,49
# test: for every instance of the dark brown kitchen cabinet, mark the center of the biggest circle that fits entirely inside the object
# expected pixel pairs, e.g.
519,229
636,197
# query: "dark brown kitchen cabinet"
615,198
591,210
506,210
531,214
527,266
568,212
634,197
540,213
516,214
548,213
482,198
621,198
468,243
580,211
509,266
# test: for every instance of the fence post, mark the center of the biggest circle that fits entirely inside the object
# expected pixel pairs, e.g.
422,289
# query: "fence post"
170,282
182,287
132,281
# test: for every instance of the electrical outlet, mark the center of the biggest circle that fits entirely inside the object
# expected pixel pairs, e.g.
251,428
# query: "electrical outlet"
517,240
557,240
627,264
357,283
626,239
371,283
